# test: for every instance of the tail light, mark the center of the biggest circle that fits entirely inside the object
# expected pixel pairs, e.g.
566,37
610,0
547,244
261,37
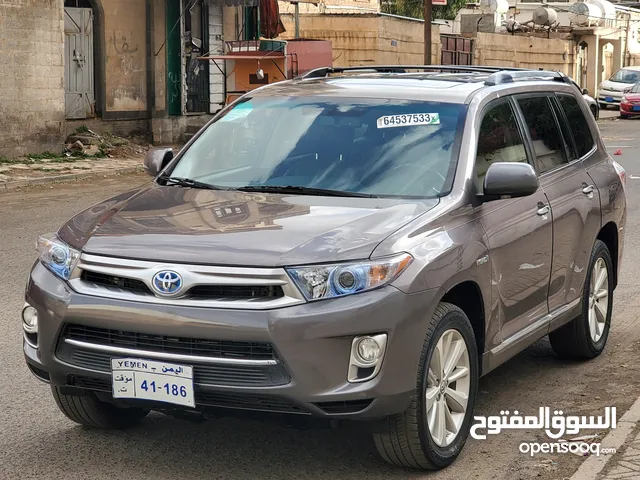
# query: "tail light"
622,173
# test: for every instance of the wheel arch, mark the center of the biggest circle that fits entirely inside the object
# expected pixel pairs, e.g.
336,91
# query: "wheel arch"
608,234
467,296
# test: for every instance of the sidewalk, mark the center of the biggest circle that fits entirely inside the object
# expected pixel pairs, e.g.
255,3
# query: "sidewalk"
42,171
625,463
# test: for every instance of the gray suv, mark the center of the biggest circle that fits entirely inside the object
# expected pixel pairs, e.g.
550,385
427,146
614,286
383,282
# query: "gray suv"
356,244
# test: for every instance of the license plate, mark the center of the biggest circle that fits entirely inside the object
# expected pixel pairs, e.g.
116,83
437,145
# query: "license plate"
636,109
150,380
608,99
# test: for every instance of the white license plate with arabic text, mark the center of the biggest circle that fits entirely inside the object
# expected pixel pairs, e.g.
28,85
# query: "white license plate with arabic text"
151,380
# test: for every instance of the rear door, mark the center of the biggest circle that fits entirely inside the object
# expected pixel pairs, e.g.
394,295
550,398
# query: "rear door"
574,201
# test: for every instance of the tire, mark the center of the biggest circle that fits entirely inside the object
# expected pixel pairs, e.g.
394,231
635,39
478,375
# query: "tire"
405,439
603,106
623,116
88,411
574,340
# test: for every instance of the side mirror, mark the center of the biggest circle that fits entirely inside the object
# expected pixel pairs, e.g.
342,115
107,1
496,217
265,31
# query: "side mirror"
157,159
626,90
585,91
507,179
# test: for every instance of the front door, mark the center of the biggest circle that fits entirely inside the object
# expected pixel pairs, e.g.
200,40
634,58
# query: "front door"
78,58
518,231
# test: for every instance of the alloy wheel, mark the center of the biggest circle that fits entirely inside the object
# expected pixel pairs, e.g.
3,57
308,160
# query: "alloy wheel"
598,299
448,384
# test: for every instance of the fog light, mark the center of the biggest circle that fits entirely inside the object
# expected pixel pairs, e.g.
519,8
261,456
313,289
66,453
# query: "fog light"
30,319
367,354
368,350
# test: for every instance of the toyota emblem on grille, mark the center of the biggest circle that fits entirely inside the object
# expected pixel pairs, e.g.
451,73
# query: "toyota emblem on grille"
167,282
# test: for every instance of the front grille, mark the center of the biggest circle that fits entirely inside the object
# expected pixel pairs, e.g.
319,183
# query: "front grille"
199,292
166,344
109,281
218,375
344,407
208,399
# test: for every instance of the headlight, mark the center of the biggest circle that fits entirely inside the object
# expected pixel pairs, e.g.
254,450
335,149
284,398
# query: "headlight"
329,281
57,256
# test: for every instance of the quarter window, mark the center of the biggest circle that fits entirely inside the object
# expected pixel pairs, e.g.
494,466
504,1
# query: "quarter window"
578,124
546,138
499,141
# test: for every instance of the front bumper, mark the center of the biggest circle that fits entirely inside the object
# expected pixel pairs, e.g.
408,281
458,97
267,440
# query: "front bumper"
312,342
607,97
628,109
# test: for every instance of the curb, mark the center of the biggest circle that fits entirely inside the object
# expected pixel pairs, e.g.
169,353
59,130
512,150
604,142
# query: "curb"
70,177
592,466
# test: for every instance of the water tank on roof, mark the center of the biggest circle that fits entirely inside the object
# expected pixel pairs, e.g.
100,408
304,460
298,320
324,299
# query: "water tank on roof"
495,6
585,14
545,16
607,8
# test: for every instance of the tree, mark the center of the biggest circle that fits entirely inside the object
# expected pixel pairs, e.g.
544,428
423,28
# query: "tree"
414,8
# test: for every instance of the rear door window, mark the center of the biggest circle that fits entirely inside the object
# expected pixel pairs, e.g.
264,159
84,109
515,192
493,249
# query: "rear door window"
578,124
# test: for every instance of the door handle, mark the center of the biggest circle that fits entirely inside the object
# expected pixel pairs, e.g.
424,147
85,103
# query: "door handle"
587,189
542,209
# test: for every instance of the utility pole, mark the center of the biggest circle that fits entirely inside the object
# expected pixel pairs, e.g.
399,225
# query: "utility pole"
427,32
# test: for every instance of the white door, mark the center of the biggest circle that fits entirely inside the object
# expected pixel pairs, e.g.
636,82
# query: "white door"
216,47
78,58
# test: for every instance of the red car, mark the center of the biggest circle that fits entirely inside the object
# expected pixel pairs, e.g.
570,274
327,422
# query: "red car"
630,103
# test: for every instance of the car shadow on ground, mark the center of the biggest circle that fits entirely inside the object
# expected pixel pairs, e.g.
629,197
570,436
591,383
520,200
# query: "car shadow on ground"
165,448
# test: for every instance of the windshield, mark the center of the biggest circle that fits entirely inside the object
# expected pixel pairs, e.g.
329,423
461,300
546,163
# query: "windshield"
378,147
626,76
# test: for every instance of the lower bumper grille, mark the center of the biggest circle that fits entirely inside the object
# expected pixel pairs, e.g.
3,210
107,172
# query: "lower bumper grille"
209,374
203,398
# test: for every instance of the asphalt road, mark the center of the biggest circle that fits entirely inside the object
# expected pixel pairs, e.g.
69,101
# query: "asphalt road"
36,441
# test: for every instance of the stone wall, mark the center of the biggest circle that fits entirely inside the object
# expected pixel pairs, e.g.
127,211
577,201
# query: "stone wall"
368,39
31,76
524,52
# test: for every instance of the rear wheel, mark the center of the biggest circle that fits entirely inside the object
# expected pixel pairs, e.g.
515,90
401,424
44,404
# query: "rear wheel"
88,411
435,427
586,336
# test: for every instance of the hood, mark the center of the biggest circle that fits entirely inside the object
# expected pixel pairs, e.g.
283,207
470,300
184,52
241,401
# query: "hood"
633,97
183,225
614,86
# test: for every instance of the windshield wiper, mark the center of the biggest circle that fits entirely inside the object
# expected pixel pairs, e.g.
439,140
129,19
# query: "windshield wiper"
299,190
187,182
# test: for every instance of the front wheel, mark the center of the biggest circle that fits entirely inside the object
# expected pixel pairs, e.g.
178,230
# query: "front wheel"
435,427
88,411
586,336
623,116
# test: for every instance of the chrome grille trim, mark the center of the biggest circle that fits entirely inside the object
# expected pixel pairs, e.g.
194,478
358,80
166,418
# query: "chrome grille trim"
192,276
166,356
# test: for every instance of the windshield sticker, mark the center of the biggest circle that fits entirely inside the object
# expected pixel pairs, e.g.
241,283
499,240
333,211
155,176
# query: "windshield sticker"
239,112
406,120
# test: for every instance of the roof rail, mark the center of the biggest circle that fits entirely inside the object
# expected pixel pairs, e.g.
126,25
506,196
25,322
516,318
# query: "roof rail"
511,75
326,71
497,75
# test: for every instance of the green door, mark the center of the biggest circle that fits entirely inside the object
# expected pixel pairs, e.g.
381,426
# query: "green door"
174,59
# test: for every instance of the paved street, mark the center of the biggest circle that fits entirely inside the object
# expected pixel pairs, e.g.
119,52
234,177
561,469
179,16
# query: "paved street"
36,441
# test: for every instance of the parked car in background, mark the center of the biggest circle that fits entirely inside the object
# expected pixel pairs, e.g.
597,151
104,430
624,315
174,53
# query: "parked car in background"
610,91
593,104
630,104
453,219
